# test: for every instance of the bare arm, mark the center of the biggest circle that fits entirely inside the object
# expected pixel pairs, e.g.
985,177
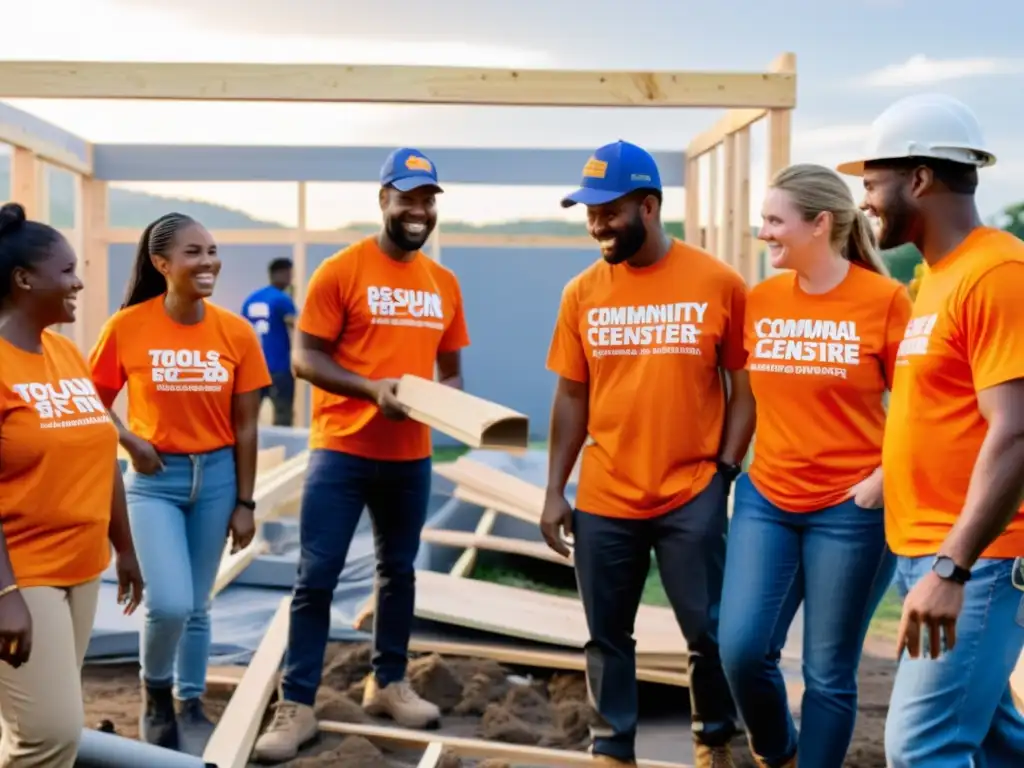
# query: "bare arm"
120,531
312,362
569,413
6,569
245,414
740,418
997,481
449,368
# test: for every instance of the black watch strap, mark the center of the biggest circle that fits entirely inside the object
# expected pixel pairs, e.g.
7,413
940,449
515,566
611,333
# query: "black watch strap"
729,471
945,568
247,503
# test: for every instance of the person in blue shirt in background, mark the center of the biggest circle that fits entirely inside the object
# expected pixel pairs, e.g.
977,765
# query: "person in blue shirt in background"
272,313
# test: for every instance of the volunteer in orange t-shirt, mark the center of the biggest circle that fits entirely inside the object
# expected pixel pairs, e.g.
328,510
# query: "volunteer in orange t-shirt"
193,373
61,499
373,312
953,456
641,340
807,523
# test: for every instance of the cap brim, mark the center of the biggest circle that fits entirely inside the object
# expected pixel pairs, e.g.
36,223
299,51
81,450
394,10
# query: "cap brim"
410,183
588,196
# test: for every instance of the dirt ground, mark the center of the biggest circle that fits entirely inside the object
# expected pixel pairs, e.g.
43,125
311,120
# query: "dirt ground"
479,700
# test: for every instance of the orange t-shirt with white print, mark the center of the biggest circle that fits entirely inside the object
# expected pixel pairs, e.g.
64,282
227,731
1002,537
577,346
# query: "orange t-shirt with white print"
819,366
386,318
180,378
966,334
58,454
650,343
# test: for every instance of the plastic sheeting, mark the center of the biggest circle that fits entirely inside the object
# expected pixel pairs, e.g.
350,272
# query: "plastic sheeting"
241,613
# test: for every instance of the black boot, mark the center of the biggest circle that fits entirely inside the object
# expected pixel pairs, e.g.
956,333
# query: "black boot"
158,725
194,727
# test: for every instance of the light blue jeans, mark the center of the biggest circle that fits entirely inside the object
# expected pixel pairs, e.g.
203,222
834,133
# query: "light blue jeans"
956,711
179,521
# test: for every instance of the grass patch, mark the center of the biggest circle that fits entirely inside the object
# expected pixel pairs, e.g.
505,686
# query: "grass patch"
886,621
443,453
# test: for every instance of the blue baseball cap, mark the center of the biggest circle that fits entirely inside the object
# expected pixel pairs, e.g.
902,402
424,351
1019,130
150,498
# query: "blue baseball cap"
612,171
406,169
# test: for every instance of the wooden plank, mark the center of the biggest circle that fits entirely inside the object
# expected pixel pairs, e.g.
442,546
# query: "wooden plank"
269,458
733,121
514,754
432,756
462,493
472,420
507,544
495,484
20,136
467,560
1017,684
232,740
390,84
519,613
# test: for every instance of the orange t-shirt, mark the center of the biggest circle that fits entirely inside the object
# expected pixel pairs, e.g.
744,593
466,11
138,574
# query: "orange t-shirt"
966,334
58,454
386,318
819,367
650,343
180,378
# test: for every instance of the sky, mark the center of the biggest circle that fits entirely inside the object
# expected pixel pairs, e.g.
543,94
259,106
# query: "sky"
853,59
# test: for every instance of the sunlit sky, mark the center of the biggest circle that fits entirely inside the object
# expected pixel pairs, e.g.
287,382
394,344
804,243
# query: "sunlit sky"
854,58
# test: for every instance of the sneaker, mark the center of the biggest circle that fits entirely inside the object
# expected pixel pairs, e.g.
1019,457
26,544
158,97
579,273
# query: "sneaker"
712,757
401,703
292,728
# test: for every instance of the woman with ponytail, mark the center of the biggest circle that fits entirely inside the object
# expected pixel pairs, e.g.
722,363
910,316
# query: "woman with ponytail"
807,525
193,372
62,504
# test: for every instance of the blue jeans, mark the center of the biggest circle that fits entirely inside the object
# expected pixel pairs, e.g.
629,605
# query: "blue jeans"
179,521
613,558
338,486
837,563
956,711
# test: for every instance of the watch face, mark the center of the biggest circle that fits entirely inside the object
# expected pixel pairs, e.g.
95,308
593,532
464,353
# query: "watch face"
944,567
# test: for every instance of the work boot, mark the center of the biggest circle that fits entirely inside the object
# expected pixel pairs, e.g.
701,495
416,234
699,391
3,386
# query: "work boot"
705,756
158,724
194,727
401,703
293,727
762,763
607,761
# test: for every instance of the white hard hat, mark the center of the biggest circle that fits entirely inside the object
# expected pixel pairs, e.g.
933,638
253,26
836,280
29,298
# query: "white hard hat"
928,125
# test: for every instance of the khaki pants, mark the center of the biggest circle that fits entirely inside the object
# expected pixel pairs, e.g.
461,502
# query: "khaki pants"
41,710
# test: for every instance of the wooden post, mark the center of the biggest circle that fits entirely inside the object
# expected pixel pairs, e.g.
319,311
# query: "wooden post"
741,222
27,183
714,228
299,266
691,224
729,198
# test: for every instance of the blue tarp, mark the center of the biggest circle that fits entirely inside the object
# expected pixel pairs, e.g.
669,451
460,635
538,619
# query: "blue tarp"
242,612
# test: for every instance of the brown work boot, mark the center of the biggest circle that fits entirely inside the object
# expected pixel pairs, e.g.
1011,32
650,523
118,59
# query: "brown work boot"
762,763
712,757
401,703
613,762
293,727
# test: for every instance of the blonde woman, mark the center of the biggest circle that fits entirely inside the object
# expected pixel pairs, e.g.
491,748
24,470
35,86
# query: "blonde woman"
808,526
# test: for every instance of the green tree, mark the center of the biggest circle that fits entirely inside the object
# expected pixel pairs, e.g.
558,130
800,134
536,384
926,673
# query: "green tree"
1013,219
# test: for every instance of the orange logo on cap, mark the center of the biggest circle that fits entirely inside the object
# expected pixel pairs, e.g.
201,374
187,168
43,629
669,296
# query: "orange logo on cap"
595,168
417,163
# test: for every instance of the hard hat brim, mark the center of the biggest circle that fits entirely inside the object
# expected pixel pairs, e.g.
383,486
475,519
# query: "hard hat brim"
983,159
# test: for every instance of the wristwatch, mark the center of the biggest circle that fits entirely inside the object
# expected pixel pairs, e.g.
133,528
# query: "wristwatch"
729,471
945,568
247,503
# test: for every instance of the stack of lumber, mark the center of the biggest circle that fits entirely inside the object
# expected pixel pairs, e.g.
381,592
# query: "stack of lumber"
507,615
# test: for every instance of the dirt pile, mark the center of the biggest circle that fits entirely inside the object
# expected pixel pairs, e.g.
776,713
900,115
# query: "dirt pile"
352,752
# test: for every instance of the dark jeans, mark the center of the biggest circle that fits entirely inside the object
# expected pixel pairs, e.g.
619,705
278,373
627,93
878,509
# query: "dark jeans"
836,562
338,486
613,558
282,395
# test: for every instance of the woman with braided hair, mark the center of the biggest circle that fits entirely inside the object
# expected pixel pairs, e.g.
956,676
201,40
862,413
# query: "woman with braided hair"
193,372
62,502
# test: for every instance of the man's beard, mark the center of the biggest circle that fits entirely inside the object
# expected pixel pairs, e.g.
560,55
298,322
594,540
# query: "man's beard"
897,225
628,242
396,232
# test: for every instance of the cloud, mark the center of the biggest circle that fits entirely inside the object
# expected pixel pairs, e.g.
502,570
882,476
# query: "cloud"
919,70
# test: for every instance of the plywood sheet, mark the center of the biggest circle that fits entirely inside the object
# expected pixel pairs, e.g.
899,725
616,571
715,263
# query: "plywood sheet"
514,612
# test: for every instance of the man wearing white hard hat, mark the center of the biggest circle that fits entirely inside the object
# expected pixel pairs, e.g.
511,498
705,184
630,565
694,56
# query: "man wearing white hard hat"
953,457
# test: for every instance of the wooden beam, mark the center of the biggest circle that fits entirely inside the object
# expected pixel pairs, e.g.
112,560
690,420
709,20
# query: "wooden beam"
691,222
232,740
339,237
515,754
389,84
742,237
475,540
18,136
472,420
94,301
733,121
463,567
432,756
27,182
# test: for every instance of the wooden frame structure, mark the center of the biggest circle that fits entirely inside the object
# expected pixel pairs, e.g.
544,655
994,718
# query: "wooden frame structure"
749,95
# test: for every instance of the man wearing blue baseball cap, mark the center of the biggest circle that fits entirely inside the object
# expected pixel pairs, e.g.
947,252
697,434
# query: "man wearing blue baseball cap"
375,311
640,346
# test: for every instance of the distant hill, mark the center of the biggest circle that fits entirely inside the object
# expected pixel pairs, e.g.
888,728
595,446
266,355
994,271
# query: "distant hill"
132,209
